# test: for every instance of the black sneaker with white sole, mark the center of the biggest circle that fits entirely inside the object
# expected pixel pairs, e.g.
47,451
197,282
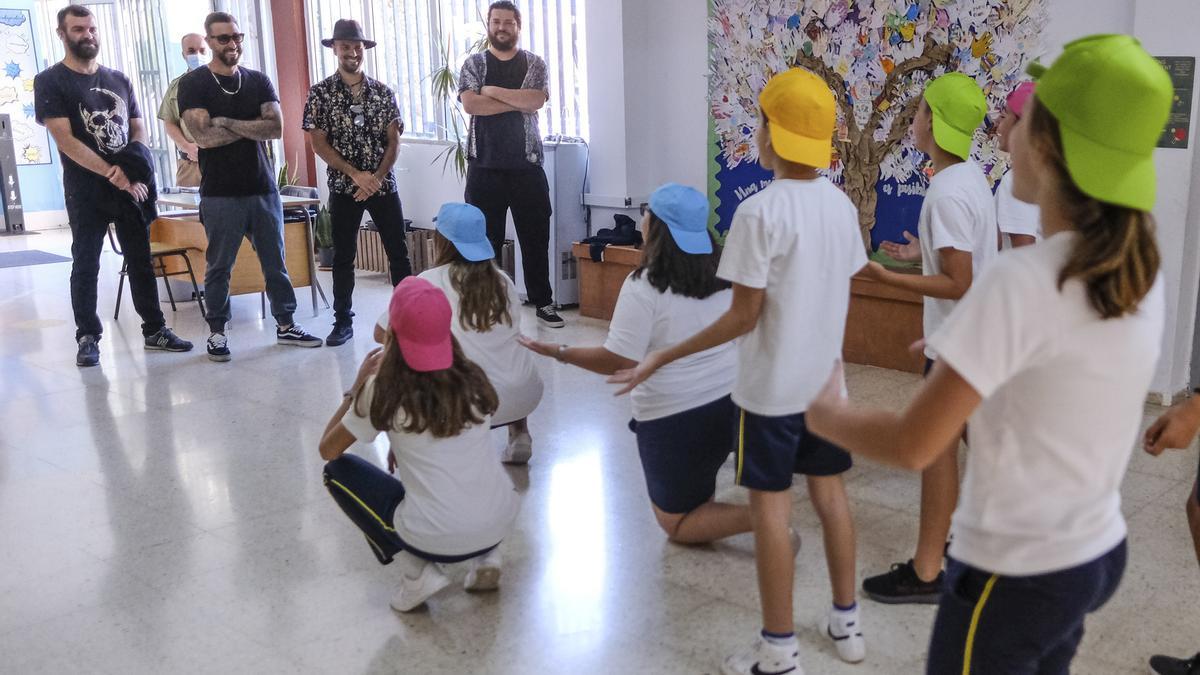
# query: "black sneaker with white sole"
218,347
1166,665
167,341
548,317
88,354
902,586
296,336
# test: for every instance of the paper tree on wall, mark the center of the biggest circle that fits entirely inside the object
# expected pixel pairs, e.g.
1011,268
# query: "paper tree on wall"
877,56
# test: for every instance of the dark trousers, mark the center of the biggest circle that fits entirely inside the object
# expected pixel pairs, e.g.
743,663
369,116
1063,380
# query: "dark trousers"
227,220
992,624
89,230
347,216
369,496
527,193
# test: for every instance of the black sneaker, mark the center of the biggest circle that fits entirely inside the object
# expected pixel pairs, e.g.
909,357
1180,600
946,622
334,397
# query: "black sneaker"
1165,665
166,340
548,317
89,352
339,335
902,586
296,336
218,347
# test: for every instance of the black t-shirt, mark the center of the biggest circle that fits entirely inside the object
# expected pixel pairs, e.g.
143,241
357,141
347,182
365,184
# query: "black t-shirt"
500,139
240,169
99,107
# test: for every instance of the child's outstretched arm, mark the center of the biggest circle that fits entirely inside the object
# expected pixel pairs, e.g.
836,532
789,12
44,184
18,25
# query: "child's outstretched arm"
911,439
595,359
951,284
741,318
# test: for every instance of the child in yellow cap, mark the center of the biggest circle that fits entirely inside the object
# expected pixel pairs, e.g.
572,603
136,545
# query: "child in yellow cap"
790,253
1050,355
957,238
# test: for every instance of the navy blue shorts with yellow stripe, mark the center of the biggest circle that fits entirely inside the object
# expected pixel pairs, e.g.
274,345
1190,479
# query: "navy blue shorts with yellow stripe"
771,449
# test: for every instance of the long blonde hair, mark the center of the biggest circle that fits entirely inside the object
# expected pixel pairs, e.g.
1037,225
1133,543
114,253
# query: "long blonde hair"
1116,255
481,287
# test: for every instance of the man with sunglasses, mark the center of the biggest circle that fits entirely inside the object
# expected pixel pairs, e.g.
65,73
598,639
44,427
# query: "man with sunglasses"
502,89
232,111
355,126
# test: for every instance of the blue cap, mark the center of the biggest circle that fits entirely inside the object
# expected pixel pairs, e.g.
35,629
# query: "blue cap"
464,226
685,211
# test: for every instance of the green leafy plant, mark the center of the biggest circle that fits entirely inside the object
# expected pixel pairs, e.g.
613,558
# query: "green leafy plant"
323,229
444,81
285,178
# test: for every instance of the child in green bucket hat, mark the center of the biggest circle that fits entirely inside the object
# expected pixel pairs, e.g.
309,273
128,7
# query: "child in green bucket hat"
1038,536
957,240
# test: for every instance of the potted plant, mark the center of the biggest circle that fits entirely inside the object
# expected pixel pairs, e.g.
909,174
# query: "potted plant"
445,90
323,234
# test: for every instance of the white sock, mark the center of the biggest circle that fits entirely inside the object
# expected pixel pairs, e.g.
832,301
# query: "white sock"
410,565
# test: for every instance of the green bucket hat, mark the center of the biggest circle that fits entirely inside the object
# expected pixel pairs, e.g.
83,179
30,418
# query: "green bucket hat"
958,106
1112,101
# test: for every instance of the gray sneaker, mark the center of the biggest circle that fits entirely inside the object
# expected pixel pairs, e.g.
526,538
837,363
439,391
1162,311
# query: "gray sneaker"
89,352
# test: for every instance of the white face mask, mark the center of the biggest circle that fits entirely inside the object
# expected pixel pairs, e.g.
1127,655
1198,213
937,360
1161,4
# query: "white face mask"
193,61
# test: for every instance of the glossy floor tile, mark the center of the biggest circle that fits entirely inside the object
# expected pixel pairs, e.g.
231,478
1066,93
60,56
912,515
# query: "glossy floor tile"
164,514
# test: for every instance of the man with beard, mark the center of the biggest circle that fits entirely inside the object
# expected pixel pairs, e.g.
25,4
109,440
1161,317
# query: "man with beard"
355,127
503,89
187,171
93,115
232,112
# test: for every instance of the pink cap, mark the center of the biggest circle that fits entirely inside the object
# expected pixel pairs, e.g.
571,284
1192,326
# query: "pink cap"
419,315
1016,100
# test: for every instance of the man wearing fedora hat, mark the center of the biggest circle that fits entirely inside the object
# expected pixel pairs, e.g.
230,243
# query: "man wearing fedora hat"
355,126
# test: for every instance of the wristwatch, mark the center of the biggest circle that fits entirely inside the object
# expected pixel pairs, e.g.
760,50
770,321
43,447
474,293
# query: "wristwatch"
561,351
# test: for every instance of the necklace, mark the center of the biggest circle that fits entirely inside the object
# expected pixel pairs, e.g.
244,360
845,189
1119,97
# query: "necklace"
231,93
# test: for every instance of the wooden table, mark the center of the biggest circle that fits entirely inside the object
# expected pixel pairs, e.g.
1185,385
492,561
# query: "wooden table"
600,282
883,321
246,276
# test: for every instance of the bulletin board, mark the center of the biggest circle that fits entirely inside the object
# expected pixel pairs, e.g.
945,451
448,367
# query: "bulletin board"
877,57
18,58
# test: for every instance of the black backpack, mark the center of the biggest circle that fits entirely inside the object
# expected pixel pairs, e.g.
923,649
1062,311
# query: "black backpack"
623,233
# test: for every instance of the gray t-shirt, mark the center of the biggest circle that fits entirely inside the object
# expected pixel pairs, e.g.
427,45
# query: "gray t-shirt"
509,140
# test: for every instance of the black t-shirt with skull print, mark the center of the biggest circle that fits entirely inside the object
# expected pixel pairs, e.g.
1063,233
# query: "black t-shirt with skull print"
99,106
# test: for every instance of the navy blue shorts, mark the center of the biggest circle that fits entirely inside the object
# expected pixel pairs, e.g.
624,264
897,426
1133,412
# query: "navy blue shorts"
928,366
682,453
771,449
991,624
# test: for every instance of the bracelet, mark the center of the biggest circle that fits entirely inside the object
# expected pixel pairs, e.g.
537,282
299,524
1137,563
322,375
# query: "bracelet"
561,353
349,393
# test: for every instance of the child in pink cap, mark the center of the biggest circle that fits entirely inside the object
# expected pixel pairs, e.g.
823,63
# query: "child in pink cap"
1020,222
452,502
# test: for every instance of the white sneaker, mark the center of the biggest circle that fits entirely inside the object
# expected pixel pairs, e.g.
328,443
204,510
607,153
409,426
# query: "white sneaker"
518,450
764,658
484,572
845,629
414,592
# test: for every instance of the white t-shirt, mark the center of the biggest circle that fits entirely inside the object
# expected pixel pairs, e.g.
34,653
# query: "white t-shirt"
508,365
1014,215
959,212
458,498
645,320
1063,393
799,240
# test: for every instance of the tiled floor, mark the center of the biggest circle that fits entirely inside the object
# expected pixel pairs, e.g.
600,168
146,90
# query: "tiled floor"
162,513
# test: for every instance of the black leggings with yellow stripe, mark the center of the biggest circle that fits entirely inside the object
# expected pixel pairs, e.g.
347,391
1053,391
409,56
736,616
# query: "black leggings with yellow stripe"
989,624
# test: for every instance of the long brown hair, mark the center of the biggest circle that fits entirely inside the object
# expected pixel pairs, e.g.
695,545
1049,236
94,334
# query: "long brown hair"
1115,255
481,287
667,267
442,402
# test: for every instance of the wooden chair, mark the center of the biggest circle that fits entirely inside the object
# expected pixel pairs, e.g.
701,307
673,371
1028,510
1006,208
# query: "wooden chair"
158,252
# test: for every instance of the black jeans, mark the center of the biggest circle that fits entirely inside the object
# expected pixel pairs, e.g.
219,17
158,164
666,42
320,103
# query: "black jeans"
347,215
992,624
527,193
89,230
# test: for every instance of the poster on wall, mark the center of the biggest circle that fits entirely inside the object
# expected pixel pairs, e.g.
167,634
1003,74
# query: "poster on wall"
877,56
20,64
1182,70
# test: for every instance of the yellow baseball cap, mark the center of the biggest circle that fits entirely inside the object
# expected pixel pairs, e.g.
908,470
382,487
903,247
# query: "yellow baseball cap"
801,114
958,106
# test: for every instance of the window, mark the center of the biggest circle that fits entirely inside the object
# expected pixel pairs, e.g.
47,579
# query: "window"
417,36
